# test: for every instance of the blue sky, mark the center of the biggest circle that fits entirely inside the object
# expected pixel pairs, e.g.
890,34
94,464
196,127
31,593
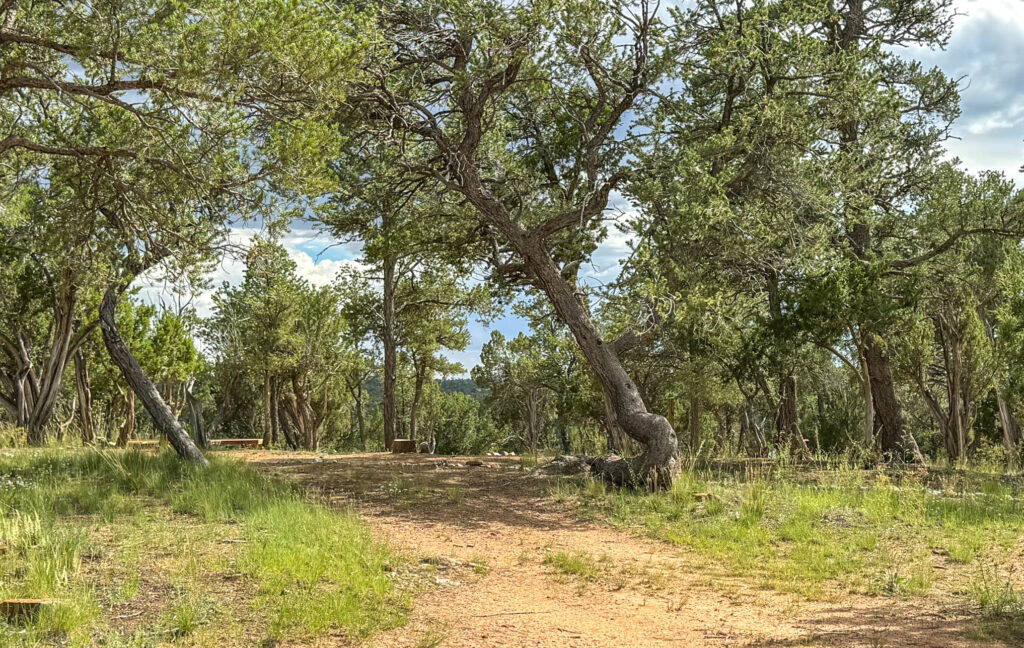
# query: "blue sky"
987,48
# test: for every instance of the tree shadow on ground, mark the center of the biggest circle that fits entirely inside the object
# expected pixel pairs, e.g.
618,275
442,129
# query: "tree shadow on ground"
429,489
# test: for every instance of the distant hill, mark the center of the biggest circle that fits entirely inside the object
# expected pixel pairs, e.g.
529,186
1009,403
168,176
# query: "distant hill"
463,386
375,389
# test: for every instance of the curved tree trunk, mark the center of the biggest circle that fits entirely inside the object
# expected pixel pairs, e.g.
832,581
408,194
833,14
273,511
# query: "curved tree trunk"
140,384
658,464
46,389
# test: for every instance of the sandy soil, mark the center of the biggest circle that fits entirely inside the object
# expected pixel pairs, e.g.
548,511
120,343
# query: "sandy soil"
482,533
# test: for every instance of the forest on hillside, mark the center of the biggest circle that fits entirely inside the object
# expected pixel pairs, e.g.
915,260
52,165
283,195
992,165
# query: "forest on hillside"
808,272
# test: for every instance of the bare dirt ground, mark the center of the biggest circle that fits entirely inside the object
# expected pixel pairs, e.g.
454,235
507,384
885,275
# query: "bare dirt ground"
481,534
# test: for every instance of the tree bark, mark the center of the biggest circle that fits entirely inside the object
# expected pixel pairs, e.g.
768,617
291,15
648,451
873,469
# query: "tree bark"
390,343
45,390
84,391
268,427
195,407
360,415
275,404
696,430
893,441
141,385
421,376
127,430
658,464
1011,429
788,418
868,421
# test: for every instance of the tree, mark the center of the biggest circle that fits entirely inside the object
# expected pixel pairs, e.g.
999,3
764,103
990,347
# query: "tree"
420,255
165,124
520,110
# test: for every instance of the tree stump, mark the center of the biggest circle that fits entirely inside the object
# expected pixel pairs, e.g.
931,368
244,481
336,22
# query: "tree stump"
400,446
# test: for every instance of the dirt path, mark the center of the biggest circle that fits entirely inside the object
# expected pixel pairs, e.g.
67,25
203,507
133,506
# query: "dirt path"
483,533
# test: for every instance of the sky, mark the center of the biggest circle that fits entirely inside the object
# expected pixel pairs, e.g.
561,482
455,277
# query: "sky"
986,49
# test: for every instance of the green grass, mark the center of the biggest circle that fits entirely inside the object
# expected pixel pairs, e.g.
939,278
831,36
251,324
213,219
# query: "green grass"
840,531
576,564
76,525
1001,606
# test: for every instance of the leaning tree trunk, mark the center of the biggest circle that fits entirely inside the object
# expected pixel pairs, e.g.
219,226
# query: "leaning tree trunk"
658,464
140,384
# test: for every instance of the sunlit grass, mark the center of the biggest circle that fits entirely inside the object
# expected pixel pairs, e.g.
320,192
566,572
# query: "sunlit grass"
843,530
312,570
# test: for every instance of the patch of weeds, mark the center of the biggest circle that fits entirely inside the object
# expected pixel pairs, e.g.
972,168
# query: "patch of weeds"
455,494
480,565
405,489
186,614
1001,606
898,579
127,589
805,534
316,570
575,564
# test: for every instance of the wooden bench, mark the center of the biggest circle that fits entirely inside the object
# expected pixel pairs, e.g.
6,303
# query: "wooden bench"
22,609
143,443
237,443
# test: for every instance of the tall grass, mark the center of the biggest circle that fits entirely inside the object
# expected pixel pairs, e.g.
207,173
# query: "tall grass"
316,569
837,531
